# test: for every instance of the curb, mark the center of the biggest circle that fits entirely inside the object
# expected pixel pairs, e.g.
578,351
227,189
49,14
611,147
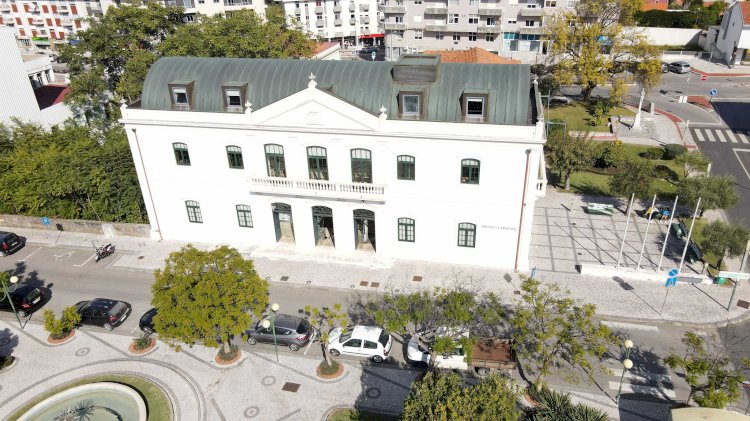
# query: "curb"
702,73
734,320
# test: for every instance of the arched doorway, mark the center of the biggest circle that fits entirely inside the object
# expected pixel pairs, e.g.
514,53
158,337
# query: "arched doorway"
364,229
323,226
282,222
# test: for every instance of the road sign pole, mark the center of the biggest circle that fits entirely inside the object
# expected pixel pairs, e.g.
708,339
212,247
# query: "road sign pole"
666,237
643,244
690,233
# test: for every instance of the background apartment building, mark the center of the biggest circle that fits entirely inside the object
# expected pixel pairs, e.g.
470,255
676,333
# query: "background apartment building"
44,24
336,20
212,7
509,27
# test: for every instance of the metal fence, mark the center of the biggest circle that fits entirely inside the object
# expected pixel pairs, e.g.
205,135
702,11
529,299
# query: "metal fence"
634,99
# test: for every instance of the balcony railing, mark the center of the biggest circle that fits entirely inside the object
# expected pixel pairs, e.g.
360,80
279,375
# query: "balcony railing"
436,11
238,2
319,23
440,27
318,188
531,13
337,8
395,26
490,12
365,8
484,29
394,9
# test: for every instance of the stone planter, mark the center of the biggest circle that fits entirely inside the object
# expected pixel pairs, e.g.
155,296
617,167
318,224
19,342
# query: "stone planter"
226,363
67,338
135,351
335,375
11,365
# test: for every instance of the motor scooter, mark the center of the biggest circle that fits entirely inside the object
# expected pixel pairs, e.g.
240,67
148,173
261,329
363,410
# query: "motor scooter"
103,251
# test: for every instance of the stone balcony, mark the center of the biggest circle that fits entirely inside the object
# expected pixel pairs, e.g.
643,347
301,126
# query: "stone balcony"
395,26
436,27
531,13
317,188
483,11
436,11
394,9
484,29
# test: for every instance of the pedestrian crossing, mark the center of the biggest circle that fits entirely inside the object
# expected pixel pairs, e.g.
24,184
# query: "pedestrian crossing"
709,134
629,326
658,385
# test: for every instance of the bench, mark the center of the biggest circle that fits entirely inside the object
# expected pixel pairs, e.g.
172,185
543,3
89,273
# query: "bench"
600,209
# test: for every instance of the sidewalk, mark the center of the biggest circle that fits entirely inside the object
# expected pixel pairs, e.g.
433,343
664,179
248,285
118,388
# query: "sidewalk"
713,68
365,271
657,130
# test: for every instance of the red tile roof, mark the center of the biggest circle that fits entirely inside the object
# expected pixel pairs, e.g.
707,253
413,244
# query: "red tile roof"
322,46
472,55
49,95
745,7
655,5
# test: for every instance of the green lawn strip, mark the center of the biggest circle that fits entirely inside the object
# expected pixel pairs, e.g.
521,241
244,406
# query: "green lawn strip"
157,403
348,414
577,116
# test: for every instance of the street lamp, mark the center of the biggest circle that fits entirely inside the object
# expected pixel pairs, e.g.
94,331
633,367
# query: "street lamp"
13,280
272,324
627,364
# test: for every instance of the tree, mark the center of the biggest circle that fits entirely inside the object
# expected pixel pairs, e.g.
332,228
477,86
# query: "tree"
324,320
590,46
716,192
633,176
566,154
724,240
59,328
241,34
206,296
714,379
553,331
443,396
692,162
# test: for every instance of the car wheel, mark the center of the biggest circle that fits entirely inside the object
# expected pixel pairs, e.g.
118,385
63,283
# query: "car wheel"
334,352
107,326
377,358
251,340
294,347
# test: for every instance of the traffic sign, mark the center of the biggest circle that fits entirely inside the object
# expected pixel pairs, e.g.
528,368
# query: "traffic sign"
704,77
45,221
672,278
713,92
739,276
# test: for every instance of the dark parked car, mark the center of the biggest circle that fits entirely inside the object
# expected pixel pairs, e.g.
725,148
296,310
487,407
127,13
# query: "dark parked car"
292,331
147,321
369,49
26,299
10,243
103,312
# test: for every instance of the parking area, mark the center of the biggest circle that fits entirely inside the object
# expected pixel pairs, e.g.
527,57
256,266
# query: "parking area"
565,236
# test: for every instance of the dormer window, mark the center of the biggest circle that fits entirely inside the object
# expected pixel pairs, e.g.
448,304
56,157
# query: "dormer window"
233,98
475,107
180,97
410,104
181,94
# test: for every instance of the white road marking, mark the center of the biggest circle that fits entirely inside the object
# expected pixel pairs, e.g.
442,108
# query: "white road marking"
699,135
730,136
740,161
630,326
710,136
642,377
87,260
64,256
743,137
32,253
309,344
643,390
720,135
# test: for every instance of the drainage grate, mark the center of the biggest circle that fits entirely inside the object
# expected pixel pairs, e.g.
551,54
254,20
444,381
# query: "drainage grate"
284,278
140,257
363,283
290,387
743,304
516,292
417,279
375,284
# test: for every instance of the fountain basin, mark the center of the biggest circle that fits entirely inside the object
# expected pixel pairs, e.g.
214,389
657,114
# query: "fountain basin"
101,401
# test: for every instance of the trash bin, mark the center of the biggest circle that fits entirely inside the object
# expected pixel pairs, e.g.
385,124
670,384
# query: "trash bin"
720,280
677,230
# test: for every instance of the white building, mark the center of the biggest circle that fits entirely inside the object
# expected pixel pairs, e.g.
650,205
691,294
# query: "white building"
410,160
30,94
732,42
212,7
335,20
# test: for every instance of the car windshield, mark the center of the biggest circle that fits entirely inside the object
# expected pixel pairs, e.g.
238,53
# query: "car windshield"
345,335
303,327
384,336
117,309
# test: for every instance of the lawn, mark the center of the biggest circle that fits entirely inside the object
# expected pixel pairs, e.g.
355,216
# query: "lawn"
697,237
347,414
578,118
157,403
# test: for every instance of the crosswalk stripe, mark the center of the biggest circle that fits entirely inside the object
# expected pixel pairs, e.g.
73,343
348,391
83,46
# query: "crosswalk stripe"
630,326
699,135
644,390
642,377
720,135
743,137
730,136
710,136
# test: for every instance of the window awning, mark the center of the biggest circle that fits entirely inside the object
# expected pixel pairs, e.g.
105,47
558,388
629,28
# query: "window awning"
371,36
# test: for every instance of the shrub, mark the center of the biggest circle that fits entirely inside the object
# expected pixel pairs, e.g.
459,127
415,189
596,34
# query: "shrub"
600,109
327,369
558,406
664,172
6,361
609,154
59,328
672,151
653,153
142,342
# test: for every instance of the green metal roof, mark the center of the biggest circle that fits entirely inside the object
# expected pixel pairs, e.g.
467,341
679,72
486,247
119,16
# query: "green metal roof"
367,85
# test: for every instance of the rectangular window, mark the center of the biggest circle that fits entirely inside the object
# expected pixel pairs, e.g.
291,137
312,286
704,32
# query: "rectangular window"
234,156
474,3
194,211
399,19
452,2
417,1
180,98
489,37
417,34
275,160
491,21
410,104
474,108
456,36
453,18
438,35
244,216
550,3
529,23
467,234
181,155
472,36
473,19
512,21
317,163
233,99
361,166
405,167
470,171
406,229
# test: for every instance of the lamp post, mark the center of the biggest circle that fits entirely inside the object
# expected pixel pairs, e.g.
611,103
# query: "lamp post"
272,324
13,280
627,364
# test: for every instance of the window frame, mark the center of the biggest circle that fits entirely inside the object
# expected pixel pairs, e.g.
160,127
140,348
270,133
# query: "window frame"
401,99
240,92
469,97
404,162
280,166
244,212
317,159
235,155
196,217
181,153
406,230
469,164
184,88
468,231
360,161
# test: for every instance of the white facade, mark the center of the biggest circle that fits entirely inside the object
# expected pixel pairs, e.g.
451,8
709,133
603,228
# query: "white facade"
734,34
500,206
212,7
335,20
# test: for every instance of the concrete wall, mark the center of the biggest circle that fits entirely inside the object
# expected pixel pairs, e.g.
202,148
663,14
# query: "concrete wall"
18,98
730,32
671,36
76,225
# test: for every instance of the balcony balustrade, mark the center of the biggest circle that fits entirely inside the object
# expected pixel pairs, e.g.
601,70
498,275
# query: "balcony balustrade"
318,188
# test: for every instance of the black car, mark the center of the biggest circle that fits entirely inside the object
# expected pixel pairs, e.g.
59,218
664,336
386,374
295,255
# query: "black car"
103,312
26,299
147,321
292,331
10,243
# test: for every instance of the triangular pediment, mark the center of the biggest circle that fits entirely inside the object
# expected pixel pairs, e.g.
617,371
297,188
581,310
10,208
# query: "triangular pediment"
314,109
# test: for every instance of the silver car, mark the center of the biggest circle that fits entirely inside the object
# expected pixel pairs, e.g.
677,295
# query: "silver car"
679,67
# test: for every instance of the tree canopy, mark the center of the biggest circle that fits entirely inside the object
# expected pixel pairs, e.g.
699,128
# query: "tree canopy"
206,296
324,319
566,154
633,176
590,47
724,240
716,192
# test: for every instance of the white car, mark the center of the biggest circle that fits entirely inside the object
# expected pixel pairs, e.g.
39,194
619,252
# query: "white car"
364,341
419,351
